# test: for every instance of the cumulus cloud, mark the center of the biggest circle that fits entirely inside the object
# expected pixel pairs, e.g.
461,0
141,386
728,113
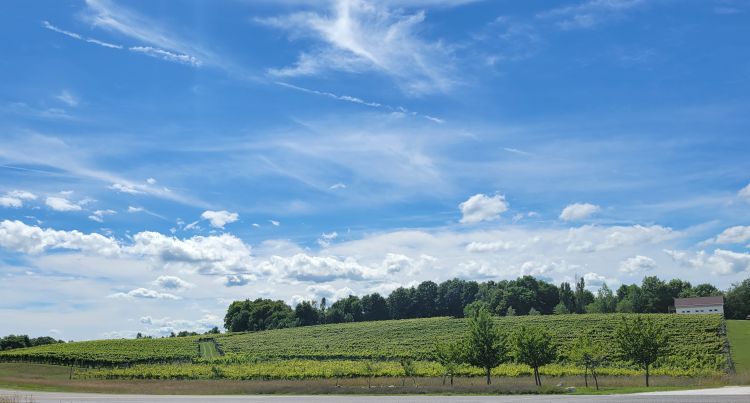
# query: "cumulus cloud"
172,283
144,293
720,262
637,264
16,198
578,211
166,325
358,36
237,280
319,269
733,235
17,236
61,204
325,240
481,207
218,219
98,215
592,238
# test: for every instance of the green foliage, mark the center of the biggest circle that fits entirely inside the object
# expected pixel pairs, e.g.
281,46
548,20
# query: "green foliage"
485,344
449,356
738,301
561,309
534,347
261,314
697,345
533,312
589,353
642,341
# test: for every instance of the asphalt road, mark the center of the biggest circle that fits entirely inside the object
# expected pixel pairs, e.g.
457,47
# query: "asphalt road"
735,394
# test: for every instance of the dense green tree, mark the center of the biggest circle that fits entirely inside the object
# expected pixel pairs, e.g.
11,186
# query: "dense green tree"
425,299
534,347
348,309
655,296
260,314
560,309
641,341
374,307
582,296
306,313
567,297
401,303
705,290
737,301
486,346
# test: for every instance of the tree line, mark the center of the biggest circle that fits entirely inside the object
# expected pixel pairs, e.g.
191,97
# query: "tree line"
13,341
640,340
458,298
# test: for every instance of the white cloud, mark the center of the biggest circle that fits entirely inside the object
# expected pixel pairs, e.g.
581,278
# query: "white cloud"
590,13
166,325
166,55
720,262
736,234
274,223
359,36
578,211
218,219
337,186
151,181
15,198
61,204
74,35
17,236
237,280
98,215
591,238
67,98
744,193
125,188
144,293
325,240
487,246
132,209
172,283
107,15
637,264
482,208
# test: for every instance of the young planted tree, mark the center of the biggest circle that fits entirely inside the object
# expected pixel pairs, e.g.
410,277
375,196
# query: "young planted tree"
590,354
370,372
407,365
534,347
641,341
450,356
485,345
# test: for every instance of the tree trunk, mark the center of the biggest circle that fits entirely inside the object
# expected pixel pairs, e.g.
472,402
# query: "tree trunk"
451,379
538,377
586,377
596,381
647,385
488,374
444,375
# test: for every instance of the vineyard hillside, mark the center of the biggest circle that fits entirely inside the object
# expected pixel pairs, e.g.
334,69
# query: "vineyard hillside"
697,344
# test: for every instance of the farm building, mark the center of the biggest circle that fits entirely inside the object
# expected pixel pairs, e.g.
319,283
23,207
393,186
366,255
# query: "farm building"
699,305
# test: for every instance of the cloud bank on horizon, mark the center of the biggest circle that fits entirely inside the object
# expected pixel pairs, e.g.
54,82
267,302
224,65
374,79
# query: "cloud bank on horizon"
302,149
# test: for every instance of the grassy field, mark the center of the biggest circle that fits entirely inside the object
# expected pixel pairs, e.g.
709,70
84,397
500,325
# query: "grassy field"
23,376
739,340
343,350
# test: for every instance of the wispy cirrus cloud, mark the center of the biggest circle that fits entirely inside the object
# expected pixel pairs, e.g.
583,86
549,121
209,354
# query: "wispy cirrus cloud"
590,13
359,36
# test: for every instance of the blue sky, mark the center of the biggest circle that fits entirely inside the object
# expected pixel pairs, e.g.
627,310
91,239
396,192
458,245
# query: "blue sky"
161,158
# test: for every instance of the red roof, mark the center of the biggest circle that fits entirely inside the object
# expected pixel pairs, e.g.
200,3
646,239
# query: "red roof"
699,301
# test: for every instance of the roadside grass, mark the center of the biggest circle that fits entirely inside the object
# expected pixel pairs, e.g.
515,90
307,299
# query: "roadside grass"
38,377
738,332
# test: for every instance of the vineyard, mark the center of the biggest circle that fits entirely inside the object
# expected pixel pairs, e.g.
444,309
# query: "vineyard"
697,347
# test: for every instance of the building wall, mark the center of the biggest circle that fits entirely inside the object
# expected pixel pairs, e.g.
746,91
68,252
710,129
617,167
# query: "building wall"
702,309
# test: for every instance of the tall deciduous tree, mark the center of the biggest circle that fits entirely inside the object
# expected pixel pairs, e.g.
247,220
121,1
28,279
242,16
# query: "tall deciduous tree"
450,356
486,346
642,341
589,353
